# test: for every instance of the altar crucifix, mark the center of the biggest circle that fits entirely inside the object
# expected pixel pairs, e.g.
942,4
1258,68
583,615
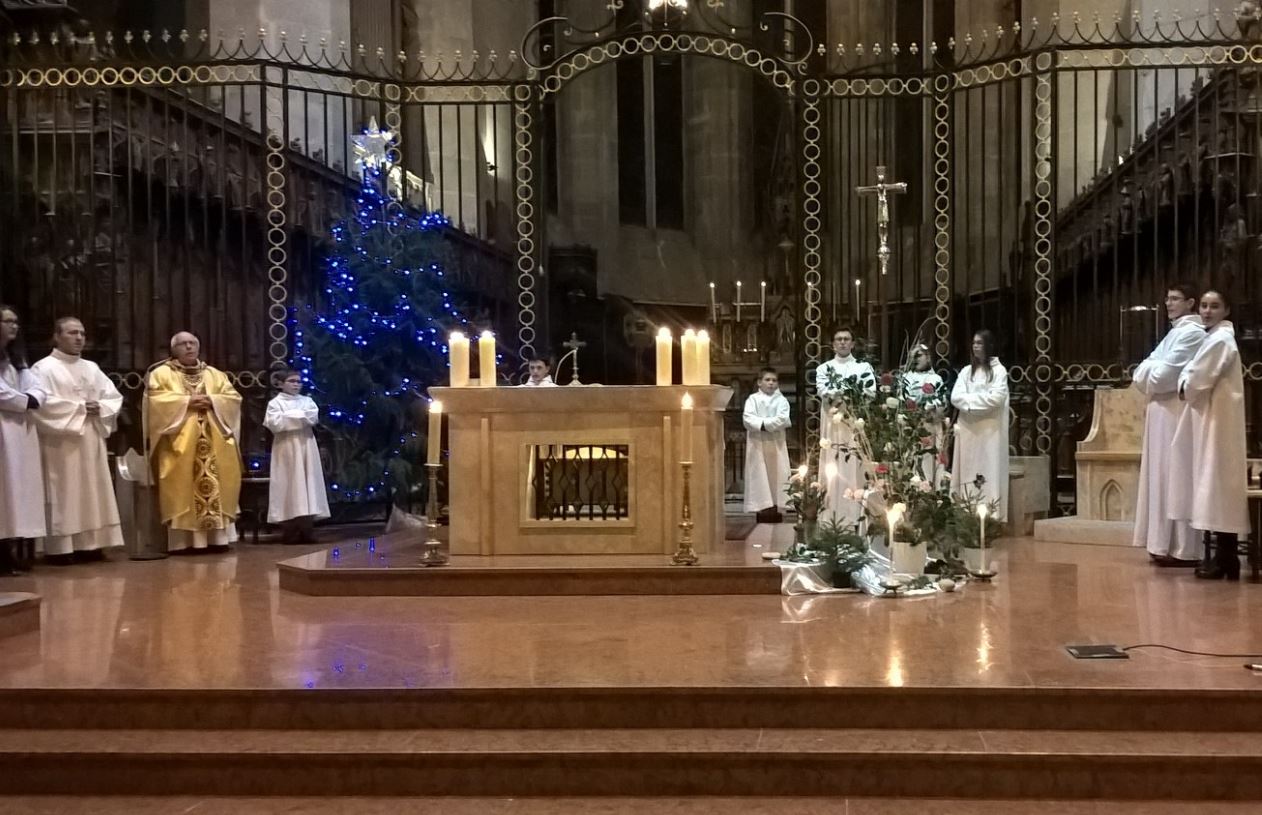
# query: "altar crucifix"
882,190
573,344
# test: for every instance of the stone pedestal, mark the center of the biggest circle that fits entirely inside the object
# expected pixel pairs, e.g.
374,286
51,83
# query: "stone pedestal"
1107,474
611,451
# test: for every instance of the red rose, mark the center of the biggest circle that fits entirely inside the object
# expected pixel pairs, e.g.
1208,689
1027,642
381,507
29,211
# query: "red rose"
926,441
942,457
881,469
928,388
911,404
887,378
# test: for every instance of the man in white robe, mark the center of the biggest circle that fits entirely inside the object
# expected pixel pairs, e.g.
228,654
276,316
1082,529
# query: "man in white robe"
79,414
296,494
838,472
21,483
766,449
1163,467
539,376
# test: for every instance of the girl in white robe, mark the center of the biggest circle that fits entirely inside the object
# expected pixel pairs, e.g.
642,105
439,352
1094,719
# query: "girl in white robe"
766,419
981,431
1213,386
296,494
21,473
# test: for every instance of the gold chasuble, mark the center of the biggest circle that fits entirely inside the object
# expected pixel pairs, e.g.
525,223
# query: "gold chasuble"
195,456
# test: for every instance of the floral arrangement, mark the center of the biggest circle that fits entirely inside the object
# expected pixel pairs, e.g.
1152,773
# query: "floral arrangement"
901,434
896,433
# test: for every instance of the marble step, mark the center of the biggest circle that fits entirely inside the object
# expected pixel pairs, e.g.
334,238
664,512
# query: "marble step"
1022,764
1049,708
709,805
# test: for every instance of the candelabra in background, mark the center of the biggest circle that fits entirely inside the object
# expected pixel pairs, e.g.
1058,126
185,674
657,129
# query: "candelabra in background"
742,329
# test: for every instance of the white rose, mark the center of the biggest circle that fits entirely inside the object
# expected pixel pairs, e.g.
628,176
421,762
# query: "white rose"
858,424
901,419
891,403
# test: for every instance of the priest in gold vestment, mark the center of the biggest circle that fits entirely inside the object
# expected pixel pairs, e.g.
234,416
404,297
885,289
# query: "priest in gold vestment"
192,420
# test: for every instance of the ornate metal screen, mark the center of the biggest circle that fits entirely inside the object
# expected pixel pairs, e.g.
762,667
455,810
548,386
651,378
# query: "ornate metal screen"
1060,174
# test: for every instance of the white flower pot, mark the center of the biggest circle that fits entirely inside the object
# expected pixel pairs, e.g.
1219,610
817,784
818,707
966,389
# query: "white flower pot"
907,559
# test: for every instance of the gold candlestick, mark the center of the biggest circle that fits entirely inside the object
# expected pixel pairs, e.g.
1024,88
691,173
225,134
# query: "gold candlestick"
433,554
685,555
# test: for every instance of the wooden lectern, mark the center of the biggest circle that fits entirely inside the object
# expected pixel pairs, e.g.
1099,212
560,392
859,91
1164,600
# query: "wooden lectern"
590,469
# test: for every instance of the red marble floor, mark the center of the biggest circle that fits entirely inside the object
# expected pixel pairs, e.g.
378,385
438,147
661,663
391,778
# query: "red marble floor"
220,621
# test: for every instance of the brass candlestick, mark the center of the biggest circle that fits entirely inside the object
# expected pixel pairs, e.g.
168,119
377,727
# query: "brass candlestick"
685,555
433,554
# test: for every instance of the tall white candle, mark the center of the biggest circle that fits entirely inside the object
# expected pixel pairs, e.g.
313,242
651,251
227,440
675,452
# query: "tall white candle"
458,351
703,358
665,345
688,357
981,527
714,306
857,283
685,429
762,303
486,360
738,301
435,432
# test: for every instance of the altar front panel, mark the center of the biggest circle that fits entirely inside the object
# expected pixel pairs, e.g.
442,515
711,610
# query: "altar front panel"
615,449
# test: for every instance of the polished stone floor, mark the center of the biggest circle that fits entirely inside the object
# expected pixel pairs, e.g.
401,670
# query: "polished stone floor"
58,805
220,621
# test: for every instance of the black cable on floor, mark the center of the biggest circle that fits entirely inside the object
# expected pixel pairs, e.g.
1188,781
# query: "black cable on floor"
1192,653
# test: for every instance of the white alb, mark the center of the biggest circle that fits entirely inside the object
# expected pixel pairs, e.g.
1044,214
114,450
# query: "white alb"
981,433
296,485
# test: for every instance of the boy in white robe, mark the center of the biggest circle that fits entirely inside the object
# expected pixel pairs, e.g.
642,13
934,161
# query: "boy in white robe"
21,479
1169,542
539,377
841,475
766,450
78,415
296,495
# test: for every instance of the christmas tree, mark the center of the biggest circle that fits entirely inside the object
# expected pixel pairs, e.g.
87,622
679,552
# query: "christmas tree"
378,340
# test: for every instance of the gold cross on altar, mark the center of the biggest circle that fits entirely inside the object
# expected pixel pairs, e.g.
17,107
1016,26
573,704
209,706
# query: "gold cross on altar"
574,344
882,190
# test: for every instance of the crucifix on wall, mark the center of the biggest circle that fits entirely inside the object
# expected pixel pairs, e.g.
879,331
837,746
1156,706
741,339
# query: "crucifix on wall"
882,191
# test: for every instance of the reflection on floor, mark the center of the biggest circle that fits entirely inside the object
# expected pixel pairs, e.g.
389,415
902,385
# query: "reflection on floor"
220,621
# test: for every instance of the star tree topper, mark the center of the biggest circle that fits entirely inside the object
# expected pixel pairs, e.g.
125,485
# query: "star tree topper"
373,145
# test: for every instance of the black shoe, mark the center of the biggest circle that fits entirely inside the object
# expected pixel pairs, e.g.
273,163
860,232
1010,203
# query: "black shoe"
60,560
1226,559
219,548
89,556
8,560
26,557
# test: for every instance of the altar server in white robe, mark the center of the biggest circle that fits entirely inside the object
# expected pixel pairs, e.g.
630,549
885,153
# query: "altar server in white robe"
924,385
21,475
1169,543
766,419
837,431
1213,386
80,413
296,494
981,431
538,368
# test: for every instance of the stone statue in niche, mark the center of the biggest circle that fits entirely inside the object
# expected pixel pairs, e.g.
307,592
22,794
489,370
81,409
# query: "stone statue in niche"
785,331
1249,19
1126,211
1165,187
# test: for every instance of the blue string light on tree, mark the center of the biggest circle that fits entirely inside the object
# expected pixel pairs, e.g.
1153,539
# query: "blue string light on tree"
375,340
